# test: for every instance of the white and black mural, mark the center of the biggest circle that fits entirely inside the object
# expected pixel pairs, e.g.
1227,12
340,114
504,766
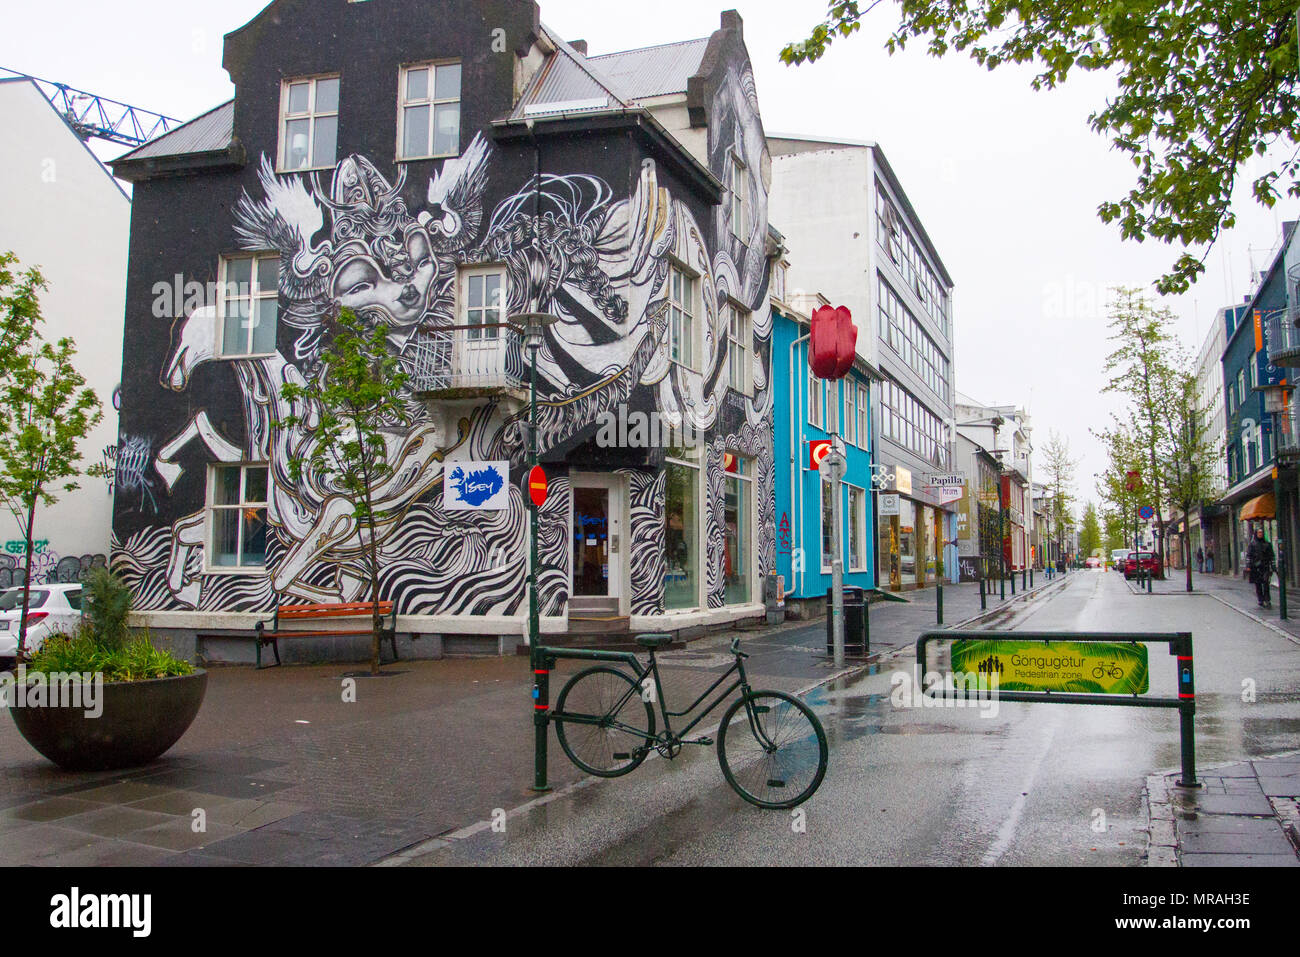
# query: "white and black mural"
572,244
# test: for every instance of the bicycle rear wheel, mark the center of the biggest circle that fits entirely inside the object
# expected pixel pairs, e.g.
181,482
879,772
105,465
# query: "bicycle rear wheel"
772,749
602,722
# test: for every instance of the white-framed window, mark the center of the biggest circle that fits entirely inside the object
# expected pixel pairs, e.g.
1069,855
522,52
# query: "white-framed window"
828,524
864,421
428,105
483,301
681,316
739,186
248,304
779,273
816,401
850,429
1241,386
309,123
740,342
857,521
237,496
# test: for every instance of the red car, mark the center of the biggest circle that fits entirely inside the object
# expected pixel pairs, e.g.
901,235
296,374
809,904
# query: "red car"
1149,563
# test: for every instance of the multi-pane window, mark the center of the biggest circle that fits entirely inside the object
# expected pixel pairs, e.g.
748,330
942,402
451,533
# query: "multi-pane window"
483,298
429,110
816,400
906,254
850,429
249,304
779,272
739,198
738,536
237,496
857,529
906,337
309,123
681,317
909,423
864,420
740,341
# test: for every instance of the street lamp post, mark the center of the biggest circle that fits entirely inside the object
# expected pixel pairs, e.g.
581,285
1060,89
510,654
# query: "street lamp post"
532,326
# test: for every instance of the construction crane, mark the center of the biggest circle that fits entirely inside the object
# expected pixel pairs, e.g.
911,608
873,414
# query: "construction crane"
98,117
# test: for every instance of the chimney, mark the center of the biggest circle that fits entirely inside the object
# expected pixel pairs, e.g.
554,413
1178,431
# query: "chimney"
579,45
731,20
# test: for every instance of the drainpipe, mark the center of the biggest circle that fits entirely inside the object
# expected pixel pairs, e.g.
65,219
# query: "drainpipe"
796,447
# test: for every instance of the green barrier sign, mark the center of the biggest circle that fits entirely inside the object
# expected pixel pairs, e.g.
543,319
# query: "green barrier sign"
1058,666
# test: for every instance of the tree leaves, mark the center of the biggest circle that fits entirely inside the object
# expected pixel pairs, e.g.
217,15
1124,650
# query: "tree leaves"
1204,86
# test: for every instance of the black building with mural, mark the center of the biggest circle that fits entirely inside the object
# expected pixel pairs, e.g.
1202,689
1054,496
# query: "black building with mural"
441,166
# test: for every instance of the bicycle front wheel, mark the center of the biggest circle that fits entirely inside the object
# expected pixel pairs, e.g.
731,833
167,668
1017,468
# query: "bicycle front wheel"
772,749
603,723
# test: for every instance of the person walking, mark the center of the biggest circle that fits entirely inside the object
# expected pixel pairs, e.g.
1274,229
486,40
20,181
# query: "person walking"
1209,560
1200,560
1260,561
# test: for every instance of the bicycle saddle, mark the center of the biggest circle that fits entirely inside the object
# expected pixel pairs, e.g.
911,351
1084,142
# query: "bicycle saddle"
654,641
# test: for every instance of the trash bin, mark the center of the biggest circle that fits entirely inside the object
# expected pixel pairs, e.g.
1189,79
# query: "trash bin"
856,643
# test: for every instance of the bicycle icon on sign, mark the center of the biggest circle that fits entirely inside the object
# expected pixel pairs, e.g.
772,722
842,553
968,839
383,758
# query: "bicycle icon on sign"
1111,671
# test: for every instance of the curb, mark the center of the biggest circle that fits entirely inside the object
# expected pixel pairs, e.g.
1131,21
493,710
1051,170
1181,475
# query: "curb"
1162,837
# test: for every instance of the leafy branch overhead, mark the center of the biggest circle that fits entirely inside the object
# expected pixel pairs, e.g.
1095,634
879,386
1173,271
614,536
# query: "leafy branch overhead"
1204,86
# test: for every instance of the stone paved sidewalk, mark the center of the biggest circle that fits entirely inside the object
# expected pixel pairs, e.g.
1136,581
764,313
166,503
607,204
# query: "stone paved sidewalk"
1245,815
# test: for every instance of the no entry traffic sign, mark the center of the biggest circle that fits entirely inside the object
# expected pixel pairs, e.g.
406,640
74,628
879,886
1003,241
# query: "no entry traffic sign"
538,486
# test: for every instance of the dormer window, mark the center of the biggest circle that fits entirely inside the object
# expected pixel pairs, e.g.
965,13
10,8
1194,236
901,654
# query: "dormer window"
309,123
429,111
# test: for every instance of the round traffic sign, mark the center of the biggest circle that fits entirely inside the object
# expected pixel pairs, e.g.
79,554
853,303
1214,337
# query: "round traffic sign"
1146,512
538,486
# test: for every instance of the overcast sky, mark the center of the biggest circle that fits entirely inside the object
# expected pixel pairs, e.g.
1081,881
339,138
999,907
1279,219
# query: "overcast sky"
1007,181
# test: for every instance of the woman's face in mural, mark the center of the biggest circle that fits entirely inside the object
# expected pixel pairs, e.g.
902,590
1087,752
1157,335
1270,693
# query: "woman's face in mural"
396,285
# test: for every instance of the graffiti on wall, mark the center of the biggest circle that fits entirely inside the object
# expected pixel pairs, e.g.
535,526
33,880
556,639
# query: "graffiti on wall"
569,246
46,566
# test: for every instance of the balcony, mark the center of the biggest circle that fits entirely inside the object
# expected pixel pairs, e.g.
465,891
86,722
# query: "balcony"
468,362
1283,340
1288,436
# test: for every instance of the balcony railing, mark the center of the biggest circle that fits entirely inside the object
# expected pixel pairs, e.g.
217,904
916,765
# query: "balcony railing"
1283,340
471,361
1288,433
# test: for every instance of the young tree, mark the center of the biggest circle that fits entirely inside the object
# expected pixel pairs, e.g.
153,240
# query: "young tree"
1090,531
1058,470
1113,534
1141,370
1204,86
48,412
1191,450
350,404
1125,456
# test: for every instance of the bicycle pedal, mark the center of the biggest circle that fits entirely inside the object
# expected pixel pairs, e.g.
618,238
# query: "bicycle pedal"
706,742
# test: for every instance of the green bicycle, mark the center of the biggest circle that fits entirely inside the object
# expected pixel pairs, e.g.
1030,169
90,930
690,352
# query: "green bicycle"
771,746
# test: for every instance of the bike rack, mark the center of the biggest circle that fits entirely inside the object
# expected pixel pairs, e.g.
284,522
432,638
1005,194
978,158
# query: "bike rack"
544,660
1180,647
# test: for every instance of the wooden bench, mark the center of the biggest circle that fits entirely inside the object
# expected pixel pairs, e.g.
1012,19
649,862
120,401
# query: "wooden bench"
297,613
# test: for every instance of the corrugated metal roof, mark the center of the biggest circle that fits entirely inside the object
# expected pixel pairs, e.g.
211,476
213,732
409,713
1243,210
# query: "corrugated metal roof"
203,134
568,80
653,71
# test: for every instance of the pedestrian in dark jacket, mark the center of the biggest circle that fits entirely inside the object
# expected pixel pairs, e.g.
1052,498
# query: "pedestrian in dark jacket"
1260,561
1200,560
1209,560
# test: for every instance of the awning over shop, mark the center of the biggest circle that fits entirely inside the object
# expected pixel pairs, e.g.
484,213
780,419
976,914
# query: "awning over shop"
1260,508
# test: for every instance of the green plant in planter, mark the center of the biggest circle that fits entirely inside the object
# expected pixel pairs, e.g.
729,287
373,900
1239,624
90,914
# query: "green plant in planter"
133,659
104,644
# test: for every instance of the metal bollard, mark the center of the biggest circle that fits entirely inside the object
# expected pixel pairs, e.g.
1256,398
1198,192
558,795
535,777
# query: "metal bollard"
939,605
1024,579
984,600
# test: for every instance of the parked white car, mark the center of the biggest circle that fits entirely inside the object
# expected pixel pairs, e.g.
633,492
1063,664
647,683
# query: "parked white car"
50,610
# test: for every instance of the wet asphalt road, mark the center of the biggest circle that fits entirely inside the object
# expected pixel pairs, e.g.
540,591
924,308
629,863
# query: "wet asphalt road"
1036,784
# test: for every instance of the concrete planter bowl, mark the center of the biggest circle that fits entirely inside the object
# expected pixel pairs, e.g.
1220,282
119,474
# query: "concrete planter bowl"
140,721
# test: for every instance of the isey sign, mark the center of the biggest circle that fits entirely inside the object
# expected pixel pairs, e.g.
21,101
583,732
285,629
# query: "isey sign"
476,487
